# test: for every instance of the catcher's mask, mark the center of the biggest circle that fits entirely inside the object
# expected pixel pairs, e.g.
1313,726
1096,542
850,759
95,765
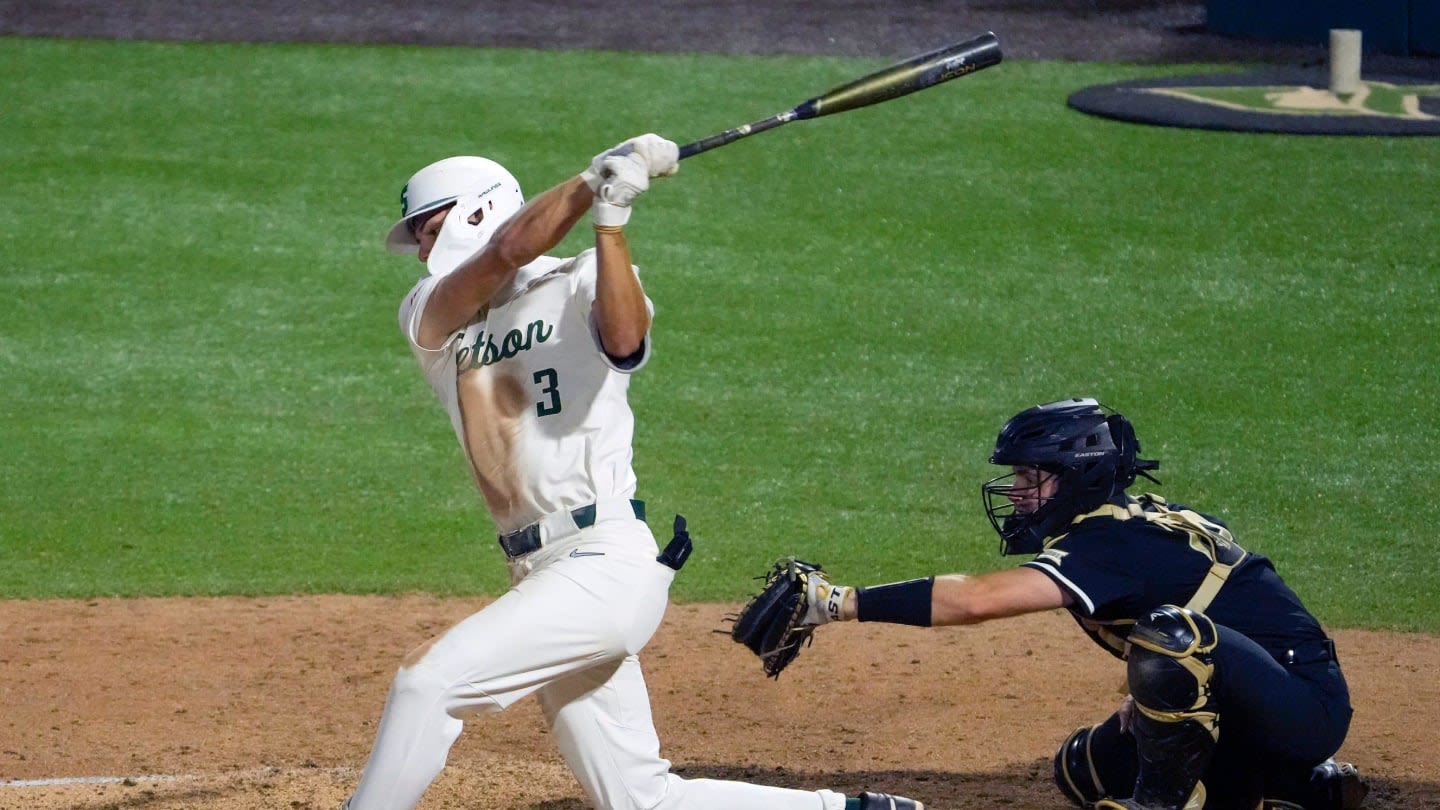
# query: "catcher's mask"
483,195
1090,453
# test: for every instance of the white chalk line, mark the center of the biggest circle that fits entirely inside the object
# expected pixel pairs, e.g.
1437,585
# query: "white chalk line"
63,781
88,780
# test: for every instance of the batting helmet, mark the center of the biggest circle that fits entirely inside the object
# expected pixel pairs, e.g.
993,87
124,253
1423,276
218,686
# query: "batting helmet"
485,190
1092,453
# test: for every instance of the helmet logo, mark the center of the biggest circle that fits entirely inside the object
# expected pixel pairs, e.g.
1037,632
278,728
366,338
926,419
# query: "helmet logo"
405,199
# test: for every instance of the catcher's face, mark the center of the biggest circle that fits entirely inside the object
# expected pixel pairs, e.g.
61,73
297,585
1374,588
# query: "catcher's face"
1031,489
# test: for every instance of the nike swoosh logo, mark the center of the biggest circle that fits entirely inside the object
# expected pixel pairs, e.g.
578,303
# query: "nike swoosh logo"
578,553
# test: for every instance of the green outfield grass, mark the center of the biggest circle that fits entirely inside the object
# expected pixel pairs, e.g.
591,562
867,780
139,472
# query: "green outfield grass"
204,390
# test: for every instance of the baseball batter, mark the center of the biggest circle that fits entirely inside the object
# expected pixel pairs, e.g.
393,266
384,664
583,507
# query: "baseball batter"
531,357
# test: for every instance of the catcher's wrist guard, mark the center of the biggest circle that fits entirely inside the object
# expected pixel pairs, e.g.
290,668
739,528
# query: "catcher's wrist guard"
905,602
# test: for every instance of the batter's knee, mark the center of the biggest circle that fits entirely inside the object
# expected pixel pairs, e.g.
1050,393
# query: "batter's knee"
417,686
1169,666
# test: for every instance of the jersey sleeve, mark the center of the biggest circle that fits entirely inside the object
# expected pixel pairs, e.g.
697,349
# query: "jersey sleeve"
585,281
411,308
1101,571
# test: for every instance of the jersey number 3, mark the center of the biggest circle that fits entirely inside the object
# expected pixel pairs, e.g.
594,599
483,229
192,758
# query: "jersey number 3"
550,388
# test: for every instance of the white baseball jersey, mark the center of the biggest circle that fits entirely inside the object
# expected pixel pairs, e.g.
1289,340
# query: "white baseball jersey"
542,415
537,405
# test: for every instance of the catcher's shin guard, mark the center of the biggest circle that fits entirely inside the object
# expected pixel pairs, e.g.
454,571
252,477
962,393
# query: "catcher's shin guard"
1074,769
1197,802
1176,725
1095,762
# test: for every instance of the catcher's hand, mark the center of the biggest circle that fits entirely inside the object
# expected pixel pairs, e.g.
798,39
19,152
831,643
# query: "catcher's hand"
781,619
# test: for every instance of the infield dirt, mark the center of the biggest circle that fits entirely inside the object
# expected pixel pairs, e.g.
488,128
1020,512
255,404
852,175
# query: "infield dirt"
238,703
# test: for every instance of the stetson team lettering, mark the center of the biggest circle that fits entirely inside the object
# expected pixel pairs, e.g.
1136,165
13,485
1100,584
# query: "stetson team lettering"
484,352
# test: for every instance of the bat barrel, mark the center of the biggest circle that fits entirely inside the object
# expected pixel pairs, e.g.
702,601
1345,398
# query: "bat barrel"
916,73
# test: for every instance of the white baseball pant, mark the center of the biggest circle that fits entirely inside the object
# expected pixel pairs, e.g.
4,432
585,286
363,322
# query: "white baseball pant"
570,628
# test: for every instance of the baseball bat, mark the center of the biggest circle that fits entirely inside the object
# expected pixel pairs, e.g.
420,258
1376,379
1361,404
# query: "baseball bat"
900,79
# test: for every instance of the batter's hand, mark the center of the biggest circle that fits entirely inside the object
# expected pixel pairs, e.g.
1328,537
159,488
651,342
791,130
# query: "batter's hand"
662,158
626,177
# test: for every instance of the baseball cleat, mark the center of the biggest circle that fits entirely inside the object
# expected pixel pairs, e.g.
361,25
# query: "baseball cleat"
1341,783
884,801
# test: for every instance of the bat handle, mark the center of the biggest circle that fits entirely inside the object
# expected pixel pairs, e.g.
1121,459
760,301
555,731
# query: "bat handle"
731,135
705,144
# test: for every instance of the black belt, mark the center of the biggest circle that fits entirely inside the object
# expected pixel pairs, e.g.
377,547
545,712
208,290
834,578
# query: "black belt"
522,542
1308,652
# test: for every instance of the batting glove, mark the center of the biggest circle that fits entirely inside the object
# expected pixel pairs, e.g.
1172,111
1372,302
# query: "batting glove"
626,177
823,600
662,158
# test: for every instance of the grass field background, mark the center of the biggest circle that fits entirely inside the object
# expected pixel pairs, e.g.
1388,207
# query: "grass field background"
204,391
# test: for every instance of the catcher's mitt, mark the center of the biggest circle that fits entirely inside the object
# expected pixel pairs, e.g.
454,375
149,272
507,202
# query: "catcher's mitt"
770,623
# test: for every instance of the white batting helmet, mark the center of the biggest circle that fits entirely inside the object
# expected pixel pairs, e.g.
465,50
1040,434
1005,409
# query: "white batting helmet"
490,196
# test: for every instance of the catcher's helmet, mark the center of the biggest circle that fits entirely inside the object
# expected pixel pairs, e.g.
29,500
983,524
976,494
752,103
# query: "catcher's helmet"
485,190
1091,452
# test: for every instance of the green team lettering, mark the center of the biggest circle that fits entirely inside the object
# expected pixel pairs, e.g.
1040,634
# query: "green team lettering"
484,352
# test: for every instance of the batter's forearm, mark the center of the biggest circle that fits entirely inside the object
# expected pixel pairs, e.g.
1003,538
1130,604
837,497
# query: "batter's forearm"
543,222
621,315
537,227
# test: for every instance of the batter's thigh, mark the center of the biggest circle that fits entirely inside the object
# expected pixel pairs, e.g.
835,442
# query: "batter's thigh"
555,622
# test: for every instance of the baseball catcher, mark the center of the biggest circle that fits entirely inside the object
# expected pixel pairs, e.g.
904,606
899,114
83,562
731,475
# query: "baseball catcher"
1236,698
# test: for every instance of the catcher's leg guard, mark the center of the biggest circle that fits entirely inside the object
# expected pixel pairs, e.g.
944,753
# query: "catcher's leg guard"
1074,769
1176,725
1096,761
1196,803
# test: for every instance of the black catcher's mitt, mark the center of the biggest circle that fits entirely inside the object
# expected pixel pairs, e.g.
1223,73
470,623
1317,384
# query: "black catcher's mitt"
770,623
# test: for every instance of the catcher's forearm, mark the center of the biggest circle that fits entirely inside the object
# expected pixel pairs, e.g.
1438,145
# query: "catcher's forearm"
898,603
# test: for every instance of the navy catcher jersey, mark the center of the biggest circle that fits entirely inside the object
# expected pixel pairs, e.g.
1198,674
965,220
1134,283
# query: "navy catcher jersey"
1118,570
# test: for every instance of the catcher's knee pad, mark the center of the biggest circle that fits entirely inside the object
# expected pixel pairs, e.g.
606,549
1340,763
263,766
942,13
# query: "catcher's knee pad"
1169,666
1094,762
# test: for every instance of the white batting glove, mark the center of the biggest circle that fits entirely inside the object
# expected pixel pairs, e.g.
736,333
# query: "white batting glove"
823,601
626,177
662,158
